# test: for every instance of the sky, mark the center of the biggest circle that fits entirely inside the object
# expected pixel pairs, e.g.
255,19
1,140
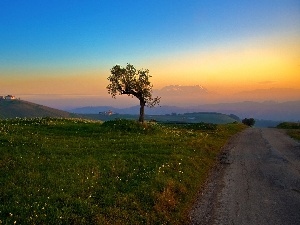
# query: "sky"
60,52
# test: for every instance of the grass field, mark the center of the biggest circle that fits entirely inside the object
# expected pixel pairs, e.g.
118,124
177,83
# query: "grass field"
73,171
293,129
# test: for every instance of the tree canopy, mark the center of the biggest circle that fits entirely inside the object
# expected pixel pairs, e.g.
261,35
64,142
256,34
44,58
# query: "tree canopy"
132,82
248,121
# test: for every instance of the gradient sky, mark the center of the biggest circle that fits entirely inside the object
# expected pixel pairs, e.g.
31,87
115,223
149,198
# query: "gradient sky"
63,47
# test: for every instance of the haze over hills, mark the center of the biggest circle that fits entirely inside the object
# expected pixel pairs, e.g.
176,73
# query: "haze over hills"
272,94
280,104
286,111
21,109
171,95
268,110
265,113
194,95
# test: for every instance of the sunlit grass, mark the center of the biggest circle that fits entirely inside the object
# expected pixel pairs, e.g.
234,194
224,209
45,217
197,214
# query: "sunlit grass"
74,171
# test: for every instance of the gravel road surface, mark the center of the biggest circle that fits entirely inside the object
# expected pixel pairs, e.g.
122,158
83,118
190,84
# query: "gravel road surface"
257,182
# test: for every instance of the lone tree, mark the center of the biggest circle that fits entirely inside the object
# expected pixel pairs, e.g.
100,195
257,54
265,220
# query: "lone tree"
249,122
132,82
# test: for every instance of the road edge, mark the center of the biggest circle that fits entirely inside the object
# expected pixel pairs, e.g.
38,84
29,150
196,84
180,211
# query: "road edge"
203,209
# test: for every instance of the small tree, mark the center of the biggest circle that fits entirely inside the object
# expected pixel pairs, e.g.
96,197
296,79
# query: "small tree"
132,82
249,122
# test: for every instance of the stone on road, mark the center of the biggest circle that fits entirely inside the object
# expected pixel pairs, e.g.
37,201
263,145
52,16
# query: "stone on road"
258,184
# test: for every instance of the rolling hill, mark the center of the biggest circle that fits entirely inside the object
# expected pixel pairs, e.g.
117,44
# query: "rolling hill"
20,108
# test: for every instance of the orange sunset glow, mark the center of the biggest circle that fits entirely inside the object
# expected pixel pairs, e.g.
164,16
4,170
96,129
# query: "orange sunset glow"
226,53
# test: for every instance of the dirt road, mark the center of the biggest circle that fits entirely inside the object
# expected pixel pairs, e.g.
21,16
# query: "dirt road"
258,182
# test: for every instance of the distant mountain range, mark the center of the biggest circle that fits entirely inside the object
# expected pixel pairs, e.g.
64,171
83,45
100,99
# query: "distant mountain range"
184,95
191,95
272,94
285,111
18,108
179,89
268,110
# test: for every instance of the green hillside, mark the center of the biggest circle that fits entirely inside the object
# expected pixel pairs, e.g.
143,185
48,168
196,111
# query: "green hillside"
20,108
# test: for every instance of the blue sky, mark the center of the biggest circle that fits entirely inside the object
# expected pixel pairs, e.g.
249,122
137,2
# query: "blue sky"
64,33
59,38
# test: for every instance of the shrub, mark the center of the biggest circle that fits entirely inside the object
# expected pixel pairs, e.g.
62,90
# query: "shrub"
249,122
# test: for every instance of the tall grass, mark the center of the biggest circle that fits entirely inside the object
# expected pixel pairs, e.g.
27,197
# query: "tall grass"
293,129
74,171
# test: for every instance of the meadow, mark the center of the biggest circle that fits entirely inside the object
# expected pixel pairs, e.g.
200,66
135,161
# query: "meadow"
77,171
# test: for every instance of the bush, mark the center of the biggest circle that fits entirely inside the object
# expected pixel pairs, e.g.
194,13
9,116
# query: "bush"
249,122
289,125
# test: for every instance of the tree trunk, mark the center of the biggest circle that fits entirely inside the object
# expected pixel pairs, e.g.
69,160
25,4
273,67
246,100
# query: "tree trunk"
142,111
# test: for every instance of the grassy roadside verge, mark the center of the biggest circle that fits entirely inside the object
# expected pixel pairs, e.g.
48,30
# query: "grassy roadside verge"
72,171
293,129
